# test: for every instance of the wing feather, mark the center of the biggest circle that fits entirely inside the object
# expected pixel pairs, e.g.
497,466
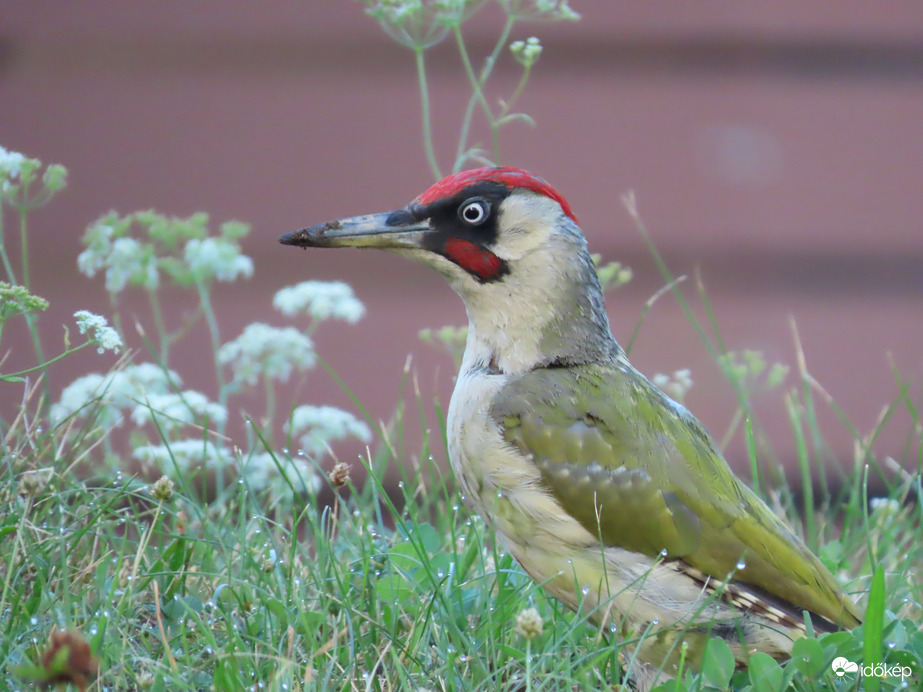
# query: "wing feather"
638,470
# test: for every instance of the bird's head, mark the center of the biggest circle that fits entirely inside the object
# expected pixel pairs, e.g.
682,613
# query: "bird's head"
509,245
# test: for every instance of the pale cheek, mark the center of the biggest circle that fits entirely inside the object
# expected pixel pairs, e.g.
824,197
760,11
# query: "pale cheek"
518,242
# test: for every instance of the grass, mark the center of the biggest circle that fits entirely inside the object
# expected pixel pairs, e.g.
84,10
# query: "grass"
368,592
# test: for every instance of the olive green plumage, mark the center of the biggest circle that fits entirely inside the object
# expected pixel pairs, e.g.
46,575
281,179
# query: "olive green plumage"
640,471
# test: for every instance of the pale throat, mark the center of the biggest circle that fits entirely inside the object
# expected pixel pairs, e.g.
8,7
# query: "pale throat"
519,325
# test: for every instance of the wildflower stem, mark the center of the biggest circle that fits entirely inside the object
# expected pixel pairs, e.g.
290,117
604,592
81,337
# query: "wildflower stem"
11,275
496,124
478,86
3,254
116,315
142,546
270,400
424,105
161,329
206,303
477,96
528,665
139,554
23,234
10,377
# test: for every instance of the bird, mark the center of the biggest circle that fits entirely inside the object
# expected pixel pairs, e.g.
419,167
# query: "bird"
608,493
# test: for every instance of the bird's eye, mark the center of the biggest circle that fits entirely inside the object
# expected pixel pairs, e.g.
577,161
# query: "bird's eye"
474,211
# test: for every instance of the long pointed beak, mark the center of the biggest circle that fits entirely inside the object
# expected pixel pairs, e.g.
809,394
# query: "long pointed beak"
392,230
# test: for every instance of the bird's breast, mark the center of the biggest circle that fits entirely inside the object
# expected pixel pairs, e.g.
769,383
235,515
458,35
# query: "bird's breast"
498,481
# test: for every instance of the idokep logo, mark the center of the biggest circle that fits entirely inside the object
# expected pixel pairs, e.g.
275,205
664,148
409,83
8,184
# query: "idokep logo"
843,666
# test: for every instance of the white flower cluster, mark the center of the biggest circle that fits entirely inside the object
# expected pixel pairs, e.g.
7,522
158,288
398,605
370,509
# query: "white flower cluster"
526,52
105,337
676,385
127,259
321,300
540,9
139,248
611,275
263,473
124,259
10,166
105,396
185,454
216,257
319,425
268,352
174,410
748,366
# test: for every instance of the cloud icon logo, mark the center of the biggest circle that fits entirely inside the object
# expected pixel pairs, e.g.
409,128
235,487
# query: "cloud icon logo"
841,666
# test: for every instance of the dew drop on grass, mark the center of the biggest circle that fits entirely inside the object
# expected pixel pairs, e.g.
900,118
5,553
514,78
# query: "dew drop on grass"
663,553
33,620
741,565
655,622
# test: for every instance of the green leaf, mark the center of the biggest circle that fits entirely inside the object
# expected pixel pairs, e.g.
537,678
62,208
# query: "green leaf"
808,657
429,537
405,558
717,663
393,588
274,606
874,625
766,674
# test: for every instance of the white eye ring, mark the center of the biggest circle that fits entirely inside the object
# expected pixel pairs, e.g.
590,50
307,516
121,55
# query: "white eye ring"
475,211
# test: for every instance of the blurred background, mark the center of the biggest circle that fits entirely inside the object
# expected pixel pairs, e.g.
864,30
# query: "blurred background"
775,148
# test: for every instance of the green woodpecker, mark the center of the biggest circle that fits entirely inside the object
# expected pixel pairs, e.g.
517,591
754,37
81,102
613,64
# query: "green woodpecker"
608,493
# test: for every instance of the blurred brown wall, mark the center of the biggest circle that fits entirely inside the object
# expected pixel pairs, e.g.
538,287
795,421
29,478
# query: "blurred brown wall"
777,148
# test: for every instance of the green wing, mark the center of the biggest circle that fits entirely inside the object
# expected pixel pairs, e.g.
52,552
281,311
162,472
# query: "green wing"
641,472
